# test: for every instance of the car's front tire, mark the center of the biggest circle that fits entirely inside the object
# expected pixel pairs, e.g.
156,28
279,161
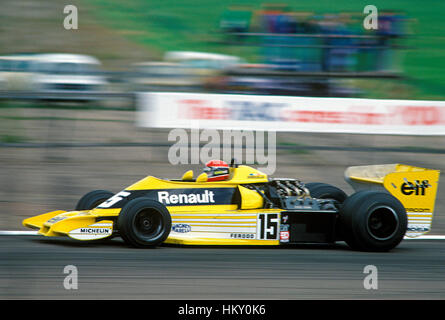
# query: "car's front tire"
144,223
92,199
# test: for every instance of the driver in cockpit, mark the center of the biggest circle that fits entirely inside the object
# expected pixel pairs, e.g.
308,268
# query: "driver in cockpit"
216,170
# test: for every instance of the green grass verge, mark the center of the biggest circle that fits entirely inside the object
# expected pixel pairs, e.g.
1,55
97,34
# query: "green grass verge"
190,25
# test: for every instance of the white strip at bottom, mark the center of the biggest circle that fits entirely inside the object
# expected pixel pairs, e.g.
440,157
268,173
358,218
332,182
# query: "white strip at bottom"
33,233
426,237
18,233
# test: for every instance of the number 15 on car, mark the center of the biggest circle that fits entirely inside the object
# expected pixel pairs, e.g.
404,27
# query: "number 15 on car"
267,226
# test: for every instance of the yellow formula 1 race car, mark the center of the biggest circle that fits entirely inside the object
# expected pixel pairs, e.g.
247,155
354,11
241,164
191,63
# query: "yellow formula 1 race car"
249,208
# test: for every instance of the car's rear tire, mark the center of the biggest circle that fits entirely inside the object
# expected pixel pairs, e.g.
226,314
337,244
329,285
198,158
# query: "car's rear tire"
144,223
92,199
326,191
373,221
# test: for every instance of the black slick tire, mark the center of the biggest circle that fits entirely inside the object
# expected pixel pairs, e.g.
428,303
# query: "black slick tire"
326,191
92,199
144,223
373,221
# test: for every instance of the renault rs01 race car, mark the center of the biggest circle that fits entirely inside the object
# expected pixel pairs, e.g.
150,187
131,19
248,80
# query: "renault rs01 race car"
248,208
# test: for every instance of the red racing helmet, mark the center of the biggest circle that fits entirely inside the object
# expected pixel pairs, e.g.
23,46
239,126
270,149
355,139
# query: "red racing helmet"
217,170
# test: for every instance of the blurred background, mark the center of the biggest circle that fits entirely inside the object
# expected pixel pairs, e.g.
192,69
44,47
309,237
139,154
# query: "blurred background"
249,46
67,97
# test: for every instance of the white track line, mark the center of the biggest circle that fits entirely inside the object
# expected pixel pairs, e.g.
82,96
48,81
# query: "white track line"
18,233
427,237
34,233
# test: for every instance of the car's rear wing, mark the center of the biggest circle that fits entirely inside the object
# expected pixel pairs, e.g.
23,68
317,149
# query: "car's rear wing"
416,189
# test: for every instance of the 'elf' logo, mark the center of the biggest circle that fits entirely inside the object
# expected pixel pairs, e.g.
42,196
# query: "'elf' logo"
416,188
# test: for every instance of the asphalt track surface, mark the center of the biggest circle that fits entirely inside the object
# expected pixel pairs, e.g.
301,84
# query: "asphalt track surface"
32,267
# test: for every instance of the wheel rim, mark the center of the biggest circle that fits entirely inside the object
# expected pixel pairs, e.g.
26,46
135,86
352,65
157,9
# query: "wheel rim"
382,223
148,224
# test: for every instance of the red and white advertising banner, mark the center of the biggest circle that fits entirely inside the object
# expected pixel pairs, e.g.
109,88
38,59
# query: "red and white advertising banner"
282,113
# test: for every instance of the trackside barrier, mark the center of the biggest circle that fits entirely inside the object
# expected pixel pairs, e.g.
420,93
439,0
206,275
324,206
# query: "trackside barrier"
292,114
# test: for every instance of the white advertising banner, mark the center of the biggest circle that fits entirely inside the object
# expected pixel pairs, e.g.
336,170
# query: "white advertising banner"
282,113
